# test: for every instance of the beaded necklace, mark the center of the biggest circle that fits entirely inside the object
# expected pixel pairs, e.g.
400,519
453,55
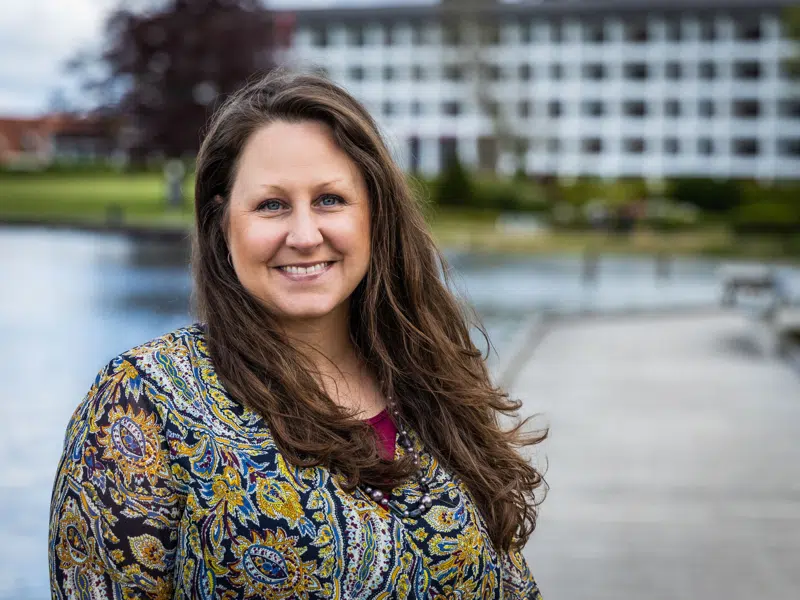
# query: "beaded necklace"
425,501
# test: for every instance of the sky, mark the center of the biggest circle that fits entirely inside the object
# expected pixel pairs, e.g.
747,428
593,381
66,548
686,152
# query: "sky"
38,36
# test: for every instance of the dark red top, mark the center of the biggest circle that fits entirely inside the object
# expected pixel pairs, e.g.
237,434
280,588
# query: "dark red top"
386,431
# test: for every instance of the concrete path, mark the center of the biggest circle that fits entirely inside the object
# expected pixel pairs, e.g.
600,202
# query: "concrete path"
674,461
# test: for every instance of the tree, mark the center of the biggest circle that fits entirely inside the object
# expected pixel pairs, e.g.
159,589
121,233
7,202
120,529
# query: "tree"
454,187
166,68
471,27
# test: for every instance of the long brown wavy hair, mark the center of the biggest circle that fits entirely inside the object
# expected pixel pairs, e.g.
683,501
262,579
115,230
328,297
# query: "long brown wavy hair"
406,325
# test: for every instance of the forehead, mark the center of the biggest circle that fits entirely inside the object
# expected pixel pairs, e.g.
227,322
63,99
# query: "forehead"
292,154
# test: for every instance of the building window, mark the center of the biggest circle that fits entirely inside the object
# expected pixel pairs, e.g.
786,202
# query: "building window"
490,34
526,32
416,108
673,70
748,32
554,108
745,147
750,70
448,151
525,72
705,146
389,35
356,73
708,30
634,108
491,109
636,71
672,108
556,33
556,71
671,146
451,109
553,145
673,31
707,70
417,73
592,145
388,108
356,35
453,73
786,68
636,33
594,108
451,34
746,109
389,73
491,72
595,71
789,109
705,108
633,145
524,109
319,37
789,147
594,33
417,37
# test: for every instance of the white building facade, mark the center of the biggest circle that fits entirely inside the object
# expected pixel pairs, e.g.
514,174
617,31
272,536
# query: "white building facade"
609,88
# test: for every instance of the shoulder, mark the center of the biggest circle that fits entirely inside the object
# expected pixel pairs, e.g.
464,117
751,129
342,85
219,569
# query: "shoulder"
165,361
182,346
152,376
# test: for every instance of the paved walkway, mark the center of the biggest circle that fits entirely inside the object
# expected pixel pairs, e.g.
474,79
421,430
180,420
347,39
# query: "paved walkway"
674,461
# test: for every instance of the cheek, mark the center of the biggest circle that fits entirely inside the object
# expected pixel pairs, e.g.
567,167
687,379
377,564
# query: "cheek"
352,237
256,241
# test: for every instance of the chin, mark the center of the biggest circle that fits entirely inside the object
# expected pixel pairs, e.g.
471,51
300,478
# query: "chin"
295,312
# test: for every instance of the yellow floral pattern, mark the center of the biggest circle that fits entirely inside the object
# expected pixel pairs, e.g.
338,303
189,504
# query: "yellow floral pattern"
168,488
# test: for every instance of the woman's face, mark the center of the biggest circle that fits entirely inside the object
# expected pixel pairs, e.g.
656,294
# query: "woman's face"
299,222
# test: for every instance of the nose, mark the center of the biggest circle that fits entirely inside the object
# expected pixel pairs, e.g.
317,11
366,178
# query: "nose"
304,233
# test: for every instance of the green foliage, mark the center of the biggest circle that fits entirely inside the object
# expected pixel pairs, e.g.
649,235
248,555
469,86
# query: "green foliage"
706,194
611,193
768,209
509,195
454,187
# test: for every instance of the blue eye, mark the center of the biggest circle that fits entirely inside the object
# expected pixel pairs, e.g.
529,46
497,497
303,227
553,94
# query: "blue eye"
270,205
330,200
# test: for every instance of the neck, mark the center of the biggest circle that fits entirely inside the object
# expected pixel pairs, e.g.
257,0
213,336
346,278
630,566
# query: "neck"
325,342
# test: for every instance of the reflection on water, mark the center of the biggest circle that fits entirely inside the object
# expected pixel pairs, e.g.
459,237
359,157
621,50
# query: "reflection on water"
71,301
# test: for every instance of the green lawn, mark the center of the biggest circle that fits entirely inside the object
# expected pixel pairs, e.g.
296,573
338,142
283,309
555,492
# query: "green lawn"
88,198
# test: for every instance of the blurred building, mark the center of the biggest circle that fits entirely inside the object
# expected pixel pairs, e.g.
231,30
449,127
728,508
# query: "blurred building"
652,88
41,141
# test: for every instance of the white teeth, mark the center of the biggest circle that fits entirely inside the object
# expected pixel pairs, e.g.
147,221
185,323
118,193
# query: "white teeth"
318,268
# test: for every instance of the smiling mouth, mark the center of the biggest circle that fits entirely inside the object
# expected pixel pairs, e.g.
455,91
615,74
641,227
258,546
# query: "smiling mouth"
309,270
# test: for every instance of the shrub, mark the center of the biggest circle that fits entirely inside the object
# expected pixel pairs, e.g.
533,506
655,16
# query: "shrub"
707,194
454,187
768,217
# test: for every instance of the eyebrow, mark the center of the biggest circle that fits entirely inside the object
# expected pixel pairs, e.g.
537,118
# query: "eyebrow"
319,186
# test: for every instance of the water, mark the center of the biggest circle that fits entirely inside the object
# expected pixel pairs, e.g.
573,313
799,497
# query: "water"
71,301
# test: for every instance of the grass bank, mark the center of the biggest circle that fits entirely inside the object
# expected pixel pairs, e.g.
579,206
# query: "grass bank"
138,200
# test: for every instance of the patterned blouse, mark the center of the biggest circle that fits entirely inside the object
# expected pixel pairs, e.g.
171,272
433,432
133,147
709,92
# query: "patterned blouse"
167,488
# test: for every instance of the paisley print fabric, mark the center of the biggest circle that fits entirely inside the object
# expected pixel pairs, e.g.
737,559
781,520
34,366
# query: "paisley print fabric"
167,488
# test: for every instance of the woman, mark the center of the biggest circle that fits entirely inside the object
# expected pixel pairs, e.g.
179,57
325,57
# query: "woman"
329,430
